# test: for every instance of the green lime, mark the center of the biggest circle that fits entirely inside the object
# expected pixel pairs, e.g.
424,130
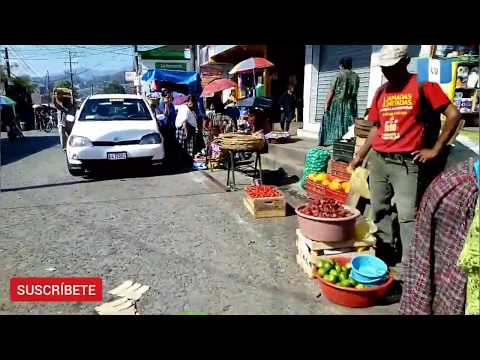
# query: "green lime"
343,276
335,279
327,266
353,282
345,283
321,272
328,278
333,272
349,266
359,286
338,267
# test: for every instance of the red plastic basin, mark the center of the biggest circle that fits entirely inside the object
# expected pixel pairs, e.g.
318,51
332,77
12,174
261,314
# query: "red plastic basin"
351,297
327,229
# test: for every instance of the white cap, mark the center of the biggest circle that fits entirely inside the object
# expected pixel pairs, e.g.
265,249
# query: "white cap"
392,54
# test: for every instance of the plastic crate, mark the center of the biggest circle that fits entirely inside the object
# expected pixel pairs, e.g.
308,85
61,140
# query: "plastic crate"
339,169
338,195
343,151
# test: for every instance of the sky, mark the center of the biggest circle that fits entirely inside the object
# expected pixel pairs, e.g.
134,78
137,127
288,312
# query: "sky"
36,60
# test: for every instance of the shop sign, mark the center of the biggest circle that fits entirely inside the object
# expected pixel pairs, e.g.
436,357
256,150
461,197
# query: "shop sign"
171,66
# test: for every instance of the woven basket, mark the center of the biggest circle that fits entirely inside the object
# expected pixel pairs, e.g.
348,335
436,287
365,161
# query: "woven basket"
240,142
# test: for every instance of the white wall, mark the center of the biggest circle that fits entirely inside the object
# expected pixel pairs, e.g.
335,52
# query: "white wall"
310,81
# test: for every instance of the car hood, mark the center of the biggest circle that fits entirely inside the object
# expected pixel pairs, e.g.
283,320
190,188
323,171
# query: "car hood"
122,130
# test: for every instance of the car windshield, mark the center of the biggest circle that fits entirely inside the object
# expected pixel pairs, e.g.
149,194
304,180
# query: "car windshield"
114,109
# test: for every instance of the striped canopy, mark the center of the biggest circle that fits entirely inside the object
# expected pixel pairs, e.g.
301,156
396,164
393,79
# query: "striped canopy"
251,64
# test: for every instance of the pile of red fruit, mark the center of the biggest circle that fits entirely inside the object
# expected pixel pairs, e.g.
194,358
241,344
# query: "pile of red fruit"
262,191
325,208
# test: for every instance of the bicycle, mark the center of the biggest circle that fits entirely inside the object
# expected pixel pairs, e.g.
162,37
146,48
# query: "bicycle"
51,123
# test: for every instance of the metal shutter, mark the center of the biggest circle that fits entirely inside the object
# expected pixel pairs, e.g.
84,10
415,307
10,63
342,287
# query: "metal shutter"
328,68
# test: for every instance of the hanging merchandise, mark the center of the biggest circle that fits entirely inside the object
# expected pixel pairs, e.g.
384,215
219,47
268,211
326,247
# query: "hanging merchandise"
316,161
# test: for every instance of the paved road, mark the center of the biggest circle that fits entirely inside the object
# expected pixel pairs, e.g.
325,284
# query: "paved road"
182,234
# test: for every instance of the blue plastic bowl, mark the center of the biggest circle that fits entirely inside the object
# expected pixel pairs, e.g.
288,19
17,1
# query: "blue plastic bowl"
367,281
369,267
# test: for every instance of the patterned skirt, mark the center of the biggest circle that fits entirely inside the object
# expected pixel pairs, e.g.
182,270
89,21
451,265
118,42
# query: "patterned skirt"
336,122
186,144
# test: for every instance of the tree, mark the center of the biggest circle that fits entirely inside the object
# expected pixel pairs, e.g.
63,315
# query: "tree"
26,83
114,87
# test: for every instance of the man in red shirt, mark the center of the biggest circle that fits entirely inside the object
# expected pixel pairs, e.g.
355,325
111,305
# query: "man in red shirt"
406,146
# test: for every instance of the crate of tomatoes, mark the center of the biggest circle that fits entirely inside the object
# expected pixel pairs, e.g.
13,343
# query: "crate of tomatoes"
264,201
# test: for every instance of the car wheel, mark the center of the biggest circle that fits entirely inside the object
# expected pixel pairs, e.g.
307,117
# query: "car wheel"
75,172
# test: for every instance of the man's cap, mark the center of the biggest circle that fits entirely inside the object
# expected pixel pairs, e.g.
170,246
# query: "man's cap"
392,54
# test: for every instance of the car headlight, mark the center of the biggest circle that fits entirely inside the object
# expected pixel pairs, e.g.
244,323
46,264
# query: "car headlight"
151,139
79,141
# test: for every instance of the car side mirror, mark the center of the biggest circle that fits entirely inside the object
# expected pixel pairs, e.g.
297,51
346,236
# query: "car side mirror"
70,118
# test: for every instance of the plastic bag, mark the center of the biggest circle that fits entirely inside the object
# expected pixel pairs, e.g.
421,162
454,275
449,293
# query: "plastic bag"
359,182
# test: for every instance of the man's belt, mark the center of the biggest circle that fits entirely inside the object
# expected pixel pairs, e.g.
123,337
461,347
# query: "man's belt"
397,156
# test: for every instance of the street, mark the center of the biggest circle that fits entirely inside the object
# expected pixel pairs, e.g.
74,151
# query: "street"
182,234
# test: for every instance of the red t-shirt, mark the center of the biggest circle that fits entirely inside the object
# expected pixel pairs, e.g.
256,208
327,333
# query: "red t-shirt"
397,112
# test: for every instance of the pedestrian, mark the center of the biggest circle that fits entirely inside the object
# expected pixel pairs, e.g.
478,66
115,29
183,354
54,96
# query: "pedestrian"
166,115
433,284
340,104
287,108
186,130
405,147
65,106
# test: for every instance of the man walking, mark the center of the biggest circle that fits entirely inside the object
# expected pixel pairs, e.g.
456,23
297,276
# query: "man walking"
406,147
64,104
287,107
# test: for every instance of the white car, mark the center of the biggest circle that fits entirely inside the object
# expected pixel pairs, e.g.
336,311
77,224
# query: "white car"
113,128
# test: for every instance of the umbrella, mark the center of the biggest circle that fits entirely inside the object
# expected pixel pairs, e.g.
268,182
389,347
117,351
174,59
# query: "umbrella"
5,100
250,65
260,102
218,85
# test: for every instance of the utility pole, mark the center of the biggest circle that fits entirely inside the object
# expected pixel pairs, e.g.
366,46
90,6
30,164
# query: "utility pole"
135,51
48,87
71,76
8,69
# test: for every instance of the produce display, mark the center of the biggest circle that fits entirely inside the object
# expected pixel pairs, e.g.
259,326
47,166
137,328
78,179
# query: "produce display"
332,272
262,191
316,161
325,208
331,182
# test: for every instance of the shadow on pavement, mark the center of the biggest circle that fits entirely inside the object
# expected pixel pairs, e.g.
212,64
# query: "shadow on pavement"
17,150
46,185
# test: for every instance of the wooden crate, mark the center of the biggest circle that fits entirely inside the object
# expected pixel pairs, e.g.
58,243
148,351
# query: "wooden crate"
266,207
310,252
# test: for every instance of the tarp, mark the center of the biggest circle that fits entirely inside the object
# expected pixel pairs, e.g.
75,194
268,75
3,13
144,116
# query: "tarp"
187,82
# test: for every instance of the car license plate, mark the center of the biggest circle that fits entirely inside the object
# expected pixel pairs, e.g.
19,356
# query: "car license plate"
117,156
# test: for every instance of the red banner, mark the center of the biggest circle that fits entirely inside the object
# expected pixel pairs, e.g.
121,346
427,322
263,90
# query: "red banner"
56,289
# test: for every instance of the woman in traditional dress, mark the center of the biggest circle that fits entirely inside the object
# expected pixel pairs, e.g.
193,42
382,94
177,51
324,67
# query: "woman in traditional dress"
186,133
340,105
434,284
